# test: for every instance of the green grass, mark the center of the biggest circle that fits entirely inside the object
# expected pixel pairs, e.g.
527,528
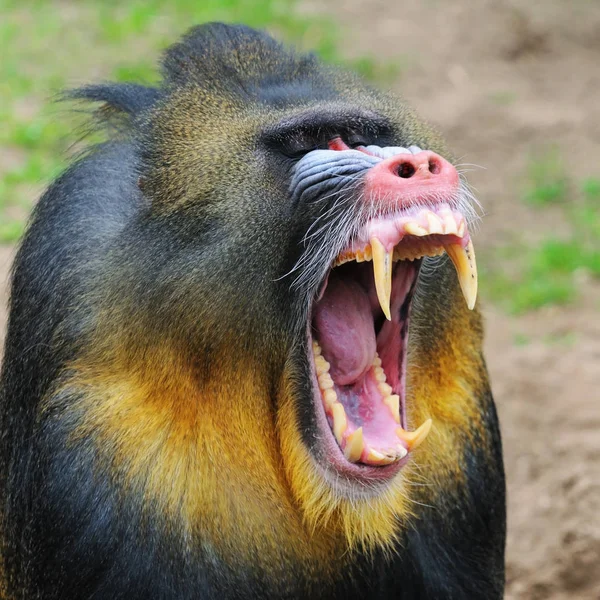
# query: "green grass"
548,273
547,180
48,45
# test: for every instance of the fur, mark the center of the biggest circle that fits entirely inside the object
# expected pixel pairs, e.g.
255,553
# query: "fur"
156,430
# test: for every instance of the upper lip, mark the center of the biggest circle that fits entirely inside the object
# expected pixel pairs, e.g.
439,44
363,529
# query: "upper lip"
446,230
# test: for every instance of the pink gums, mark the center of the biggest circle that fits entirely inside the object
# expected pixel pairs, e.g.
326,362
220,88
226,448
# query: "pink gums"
391,231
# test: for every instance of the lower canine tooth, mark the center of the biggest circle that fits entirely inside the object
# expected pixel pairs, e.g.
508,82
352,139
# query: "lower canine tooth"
393,402
415,438
354,445
466,269
340,424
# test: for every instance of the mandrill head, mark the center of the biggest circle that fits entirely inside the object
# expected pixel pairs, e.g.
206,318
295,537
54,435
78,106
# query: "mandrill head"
286,359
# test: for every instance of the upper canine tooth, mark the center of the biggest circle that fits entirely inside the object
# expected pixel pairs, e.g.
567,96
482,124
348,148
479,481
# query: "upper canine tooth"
354,445
415,438
461,229
382,270
466,269
435,223
415,229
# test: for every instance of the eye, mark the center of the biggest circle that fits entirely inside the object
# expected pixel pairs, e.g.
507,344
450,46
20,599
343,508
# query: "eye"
347,142
300,143
355,140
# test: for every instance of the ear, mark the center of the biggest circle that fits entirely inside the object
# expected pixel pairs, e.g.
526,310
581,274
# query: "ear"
127,98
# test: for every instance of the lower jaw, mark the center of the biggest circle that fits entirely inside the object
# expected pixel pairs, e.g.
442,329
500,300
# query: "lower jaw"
341,473
336,468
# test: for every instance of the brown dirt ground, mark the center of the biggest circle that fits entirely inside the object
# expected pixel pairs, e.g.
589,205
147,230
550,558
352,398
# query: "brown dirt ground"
501,79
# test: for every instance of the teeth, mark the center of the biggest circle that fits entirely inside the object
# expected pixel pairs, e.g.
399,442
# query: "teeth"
415,438
325,381
466,269
358,256
379,374
450,224
321,365
415,229
376,360
412,253
324,378
377,458
384,388
402,452
445,223
340,422
393,403
330,398
354,445
382,270
434,222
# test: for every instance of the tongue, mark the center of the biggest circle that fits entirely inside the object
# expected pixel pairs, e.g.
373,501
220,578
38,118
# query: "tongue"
344,323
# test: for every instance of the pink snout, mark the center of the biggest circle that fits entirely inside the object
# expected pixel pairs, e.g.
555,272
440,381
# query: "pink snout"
406,177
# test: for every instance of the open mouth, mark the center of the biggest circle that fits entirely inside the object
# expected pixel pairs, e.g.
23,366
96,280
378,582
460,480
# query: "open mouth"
359,334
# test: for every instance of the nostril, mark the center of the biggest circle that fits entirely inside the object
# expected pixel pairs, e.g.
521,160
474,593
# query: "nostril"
406,170
434,166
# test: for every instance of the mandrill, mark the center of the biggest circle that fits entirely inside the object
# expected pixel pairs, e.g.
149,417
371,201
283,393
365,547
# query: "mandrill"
242,359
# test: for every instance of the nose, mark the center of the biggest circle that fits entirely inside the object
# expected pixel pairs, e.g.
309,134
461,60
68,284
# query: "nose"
410,177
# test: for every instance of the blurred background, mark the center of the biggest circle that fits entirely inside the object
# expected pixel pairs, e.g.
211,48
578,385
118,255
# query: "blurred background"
515,87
